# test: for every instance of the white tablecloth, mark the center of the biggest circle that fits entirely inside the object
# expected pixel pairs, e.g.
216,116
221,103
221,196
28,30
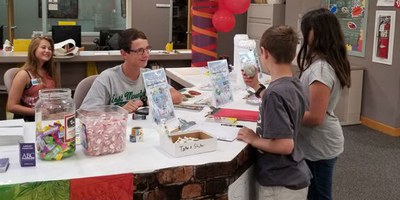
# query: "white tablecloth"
138,157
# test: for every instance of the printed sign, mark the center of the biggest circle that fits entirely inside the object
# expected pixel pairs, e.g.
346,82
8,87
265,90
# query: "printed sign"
221,87
159,97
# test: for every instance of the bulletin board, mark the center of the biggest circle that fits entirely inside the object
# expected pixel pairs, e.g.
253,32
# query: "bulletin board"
352,15
60,9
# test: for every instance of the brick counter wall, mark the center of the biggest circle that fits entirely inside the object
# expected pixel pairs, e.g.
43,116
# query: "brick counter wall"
201,182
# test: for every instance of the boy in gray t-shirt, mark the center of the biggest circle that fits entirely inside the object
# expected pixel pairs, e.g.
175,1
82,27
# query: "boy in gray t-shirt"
280,169
123,85
112,87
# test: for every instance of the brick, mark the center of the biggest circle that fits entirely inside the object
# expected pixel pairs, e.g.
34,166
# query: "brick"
222,197
215,170
213,197
172,191
191,191
206,198
175,175
239,172
143,182
246,156
138,196
155,195
204,182
216,186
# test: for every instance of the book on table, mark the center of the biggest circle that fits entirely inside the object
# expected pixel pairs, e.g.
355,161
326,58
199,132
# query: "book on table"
4,163
11,131
239,114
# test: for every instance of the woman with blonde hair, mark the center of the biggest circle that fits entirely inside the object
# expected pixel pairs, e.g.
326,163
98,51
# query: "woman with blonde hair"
37,73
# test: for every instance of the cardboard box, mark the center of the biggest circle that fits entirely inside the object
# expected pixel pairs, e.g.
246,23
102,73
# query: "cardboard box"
205,143
27,157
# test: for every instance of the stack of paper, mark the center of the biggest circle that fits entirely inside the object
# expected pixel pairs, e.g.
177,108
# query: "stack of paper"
11,131
226,133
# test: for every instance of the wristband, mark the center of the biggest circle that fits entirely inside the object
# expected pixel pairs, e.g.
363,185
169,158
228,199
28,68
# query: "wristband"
258,92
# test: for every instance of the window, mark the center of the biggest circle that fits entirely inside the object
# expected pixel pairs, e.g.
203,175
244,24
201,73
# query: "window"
93,16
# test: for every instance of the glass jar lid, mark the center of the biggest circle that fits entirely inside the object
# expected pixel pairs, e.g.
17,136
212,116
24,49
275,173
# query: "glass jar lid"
58,93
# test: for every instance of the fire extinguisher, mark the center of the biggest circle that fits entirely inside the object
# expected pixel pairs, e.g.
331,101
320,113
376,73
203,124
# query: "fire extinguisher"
383,42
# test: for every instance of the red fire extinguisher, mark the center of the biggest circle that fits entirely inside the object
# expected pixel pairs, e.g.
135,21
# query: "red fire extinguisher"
383,42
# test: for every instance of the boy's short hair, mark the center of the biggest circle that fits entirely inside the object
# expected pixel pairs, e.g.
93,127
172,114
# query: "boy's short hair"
129,35
281,42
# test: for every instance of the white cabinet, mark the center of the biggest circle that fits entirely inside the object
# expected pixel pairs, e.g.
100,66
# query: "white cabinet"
262,16
348,109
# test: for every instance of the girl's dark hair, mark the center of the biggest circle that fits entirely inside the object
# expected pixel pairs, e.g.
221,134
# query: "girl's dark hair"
328,44
127,36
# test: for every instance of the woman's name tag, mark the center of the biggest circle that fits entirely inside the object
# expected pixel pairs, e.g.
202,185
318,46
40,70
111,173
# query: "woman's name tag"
35,81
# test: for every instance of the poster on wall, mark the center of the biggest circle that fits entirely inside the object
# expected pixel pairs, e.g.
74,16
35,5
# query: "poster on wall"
385,2
352,15
384,37
60,9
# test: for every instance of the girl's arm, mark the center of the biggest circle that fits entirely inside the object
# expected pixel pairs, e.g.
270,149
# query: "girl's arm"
19,82
319,98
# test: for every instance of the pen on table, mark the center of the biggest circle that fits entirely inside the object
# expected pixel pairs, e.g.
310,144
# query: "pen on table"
239,126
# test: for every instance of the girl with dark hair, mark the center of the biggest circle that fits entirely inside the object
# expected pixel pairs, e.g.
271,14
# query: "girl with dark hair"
324,72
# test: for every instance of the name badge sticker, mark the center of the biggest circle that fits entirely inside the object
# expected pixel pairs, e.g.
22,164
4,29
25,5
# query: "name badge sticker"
35,81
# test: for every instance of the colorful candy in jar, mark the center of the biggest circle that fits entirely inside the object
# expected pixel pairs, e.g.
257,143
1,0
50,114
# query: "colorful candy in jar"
51,142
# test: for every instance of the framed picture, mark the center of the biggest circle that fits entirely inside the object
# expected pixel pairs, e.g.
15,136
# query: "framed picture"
60,9
385,3
384,37
352,16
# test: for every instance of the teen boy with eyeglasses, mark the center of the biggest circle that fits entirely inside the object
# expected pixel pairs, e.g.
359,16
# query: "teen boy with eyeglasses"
123,84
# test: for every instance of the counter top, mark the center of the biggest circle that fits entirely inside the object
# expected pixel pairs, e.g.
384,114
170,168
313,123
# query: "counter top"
141,157
187,77
85,56
198,77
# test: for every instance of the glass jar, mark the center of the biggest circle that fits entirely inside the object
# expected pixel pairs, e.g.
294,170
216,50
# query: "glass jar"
55,124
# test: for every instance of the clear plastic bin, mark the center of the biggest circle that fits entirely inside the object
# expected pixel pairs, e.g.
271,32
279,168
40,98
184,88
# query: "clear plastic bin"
102,129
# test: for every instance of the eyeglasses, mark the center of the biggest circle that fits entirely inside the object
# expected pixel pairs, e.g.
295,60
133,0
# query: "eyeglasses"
141,50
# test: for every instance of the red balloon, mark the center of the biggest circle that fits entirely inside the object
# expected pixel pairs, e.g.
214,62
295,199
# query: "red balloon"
223,20
235,6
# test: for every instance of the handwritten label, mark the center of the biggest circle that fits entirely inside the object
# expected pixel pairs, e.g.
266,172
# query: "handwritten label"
194,146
